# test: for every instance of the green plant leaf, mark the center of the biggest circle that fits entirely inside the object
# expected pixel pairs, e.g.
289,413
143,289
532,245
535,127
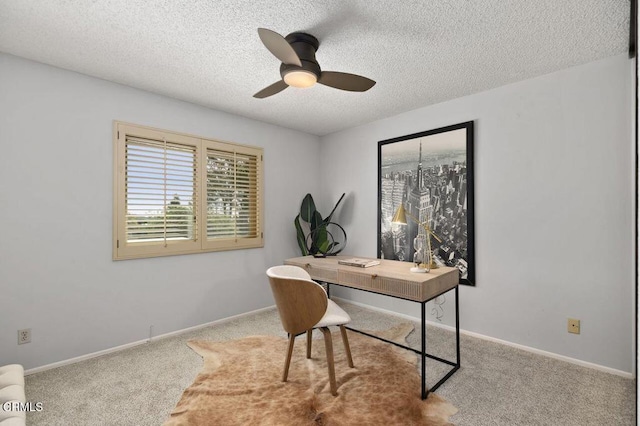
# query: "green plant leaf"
302,240
324,247
337,243
333,245
321,240
316,220
307,208
328,218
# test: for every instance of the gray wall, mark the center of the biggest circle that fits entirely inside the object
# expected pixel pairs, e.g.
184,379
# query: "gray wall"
554,213
56,272
554,184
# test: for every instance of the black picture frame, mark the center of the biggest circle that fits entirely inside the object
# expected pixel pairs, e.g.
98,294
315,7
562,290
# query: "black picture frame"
431,173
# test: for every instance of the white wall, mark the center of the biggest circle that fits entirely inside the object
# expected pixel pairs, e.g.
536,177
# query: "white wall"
554,189
56,272
554,214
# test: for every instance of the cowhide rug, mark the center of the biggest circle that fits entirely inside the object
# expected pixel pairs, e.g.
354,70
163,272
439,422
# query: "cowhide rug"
240,384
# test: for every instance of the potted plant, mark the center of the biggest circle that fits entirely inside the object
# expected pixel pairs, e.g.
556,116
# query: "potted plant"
317,236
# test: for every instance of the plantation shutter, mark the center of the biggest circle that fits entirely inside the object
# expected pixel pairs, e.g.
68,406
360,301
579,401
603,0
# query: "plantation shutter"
233,193
178,194
159,182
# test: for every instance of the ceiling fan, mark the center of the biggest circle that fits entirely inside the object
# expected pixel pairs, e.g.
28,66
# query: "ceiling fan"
299,68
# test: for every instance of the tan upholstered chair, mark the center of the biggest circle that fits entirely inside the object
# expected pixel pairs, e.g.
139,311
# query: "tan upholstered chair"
303,305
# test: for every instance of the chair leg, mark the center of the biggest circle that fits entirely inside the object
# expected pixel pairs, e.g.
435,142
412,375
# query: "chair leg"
288,360
329,347
309,343
347,349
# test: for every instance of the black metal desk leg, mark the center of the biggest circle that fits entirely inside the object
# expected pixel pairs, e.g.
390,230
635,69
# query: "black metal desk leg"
423,329
457,328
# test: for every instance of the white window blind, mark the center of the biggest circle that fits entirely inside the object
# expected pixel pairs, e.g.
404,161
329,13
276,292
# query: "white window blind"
176,194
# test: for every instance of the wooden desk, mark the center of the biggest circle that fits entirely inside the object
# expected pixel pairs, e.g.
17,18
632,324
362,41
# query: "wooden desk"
391,278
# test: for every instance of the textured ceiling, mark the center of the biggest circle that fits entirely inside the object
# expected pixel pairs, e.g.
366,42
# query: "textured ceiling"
420,52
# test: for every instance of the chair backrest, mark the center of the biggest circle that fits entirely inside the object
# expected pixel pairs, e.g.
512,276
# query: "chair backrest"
301,302
288,271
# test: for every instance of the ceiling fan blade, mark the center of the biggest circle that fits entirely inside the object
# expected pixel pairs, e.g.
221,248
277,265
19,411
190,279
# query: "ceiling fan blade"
280,47
346,81
276,87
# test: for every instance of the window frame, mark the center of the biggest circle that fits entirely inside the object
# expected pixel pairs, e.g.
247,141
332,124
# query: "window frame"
123,249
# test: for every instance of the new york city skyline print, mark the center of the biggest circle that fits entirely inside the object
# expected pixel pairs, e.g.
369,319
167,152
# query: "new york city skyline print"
431,174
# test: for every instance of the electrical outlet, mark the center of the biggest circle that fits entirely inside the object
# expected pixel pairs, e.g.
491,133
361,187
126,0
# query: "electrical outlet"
573,326
24,336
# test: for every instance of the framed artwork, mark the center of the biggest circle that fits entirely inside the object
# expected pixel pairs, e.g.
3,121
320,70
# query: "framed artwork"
431,175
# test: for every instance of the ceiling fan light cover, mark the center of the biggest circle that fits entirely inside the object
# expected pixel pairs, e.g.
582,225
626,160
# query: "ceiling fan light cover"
300,78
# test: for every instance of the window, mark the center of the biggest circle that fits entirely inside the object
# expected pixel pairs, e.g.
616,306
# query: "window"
179,194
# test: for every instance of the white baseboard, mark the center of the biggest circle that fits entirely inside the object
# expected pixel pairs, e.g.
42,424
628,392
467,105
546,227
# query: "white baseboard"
139,342
575,361
83,357
373,308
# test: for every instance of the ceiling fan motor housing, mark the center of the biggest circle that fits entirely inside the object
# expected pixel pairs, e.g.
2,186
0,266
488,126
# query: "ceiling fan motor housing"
305,45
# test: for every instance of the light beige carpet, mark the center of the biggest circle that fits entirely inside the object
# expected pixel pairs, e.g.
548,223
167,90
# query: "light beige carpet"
240,384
